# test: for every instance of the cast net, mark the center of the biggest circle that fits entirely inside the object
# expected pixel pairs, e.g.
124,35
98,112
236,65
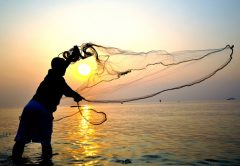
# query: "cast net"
118,76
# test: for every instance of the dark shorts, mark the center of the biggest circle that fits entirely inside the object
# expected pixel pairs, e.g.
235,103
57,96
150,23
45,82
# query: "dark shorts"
36,124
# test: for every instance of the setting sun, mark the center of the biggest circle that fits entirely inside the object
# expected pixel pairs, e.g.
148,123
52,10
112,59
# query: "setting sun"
84,69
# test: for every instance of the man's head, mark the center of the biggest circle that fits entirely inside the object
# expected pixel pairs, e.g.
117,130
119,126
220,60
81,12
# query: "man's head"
59,65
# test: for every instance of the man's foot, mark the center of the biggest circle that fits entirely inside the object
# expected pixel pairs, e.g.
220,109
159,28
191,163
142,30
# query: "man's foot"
17,159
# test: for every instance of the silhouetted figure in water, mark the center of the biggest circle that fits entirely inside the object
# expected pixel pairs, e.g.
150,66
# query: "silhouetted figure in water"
36,121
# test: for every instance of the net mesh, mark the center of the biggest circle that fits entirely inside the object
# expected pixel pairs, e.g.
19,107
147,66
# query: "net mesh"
122,76
119,76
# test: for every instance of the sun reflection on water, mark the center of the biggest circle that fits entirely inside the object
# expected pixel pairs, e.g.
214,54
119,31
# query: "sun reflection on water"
89,144
84,124
79,138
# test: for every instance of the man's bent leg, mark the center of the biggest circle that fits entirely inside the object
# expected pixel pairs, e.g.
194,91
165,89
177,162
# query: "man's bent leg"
18,149
46,151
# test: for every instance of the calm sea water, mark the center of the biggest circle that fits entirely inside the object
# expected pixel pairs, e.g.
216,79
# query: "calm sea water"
183,133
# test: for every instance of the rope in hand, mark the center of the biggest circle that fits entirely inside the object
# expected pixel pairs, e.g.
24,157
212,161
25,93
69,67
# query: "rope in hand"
80,109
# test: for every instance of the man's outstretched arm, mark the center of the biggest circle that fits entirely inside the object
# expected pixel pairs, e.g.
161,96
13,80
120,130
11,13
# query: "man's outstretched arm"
71,93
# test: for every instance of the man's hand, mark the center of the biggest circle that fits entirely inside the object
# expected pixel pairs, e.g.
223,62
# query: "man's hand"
75,56
78,98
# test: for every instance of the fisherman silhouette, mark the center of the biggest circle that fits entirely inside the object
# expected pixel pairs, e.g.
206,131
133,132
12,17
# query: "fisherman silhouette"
36,122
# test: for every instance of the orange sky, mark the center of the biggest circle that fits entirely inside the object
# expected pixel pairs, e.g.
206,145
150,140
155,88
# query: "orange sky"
32,33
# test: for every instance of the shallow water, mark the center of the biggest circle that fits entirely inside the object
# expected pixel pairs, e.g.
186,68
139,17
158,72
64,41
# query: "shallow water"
183,133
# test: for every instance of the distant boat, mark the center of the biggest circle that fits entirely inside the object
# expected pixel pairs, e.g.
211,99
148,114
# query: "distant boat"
231,98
